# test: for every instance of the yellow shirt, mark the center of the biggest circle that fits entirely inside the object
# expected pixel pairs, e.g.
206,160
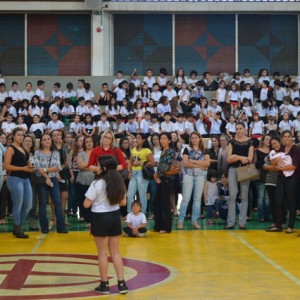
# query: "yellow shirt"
140,155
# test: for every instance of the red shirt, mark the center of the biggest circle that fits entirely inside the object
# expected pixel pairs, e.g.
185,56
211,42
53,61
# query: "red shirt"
98,151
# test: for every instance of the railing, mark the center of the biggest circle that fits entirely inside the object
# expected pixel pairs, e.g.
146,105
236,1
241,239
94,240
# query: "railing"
201,1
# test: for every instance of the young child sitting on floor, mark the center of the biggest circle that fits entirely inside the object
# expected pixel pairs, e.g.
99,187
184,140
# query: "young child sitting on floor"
135,221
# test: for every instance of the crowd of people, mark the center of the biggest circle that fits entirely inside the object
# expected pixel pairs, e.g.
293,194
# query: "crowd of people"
51,147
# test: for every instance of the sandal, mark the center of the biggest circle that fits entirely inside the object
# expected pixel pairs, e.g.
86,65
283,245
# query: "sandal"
196,225
180,226
274,229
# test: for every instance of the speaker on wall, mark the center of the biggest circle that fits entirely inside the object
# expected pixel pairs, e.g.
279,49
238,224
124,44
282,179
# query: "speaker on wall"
93,3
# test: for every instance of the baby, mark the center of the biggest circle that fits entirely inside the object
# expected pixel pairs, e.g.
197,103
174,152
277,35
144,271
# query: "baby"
285,160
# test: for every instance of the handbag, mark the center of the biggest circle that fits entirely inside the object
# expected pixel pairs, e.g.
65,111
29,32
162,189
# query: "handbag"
174,169
36,178
247,172
148,172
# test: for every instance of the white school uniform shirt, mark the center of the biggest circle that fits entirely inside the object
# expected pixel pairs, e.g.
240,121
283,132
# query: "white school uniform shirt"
136,82
214,109
178,80
285,125
139,112
104,126
155,127
294,95
3,96
156,96
191,81
262,78
236,81
80,92
231,127
185,95
136,94
221,95
57,125
124,111
80,110
136,220
234,96
144,126
286,108
162,109
196,109
41,94
296,109
280,93
119,128
68,110
36,110
151,109
121,93
56,94
179,126
89,126
12,110
249,80
112,111
257,127
8,126
23,112
197,93
132,128
27,95
150,81
189,126
272,111
15,95
169,94
248,95
167,127
67,94
200,127
88,95
97,193
23,126
215,126
248,111
263,94
296,125
35,126
95,110
55,108
117,81
77,126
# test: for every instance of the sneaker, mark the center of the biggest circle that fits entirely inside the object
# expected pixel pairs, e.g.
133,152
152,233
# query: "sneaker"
142,235
103,288
123,289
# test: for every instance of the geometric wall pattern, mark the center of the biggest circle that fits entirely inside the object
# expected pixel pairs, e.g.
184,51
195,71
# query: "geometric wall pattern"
205,43
142,41
59,44
12,44
268,41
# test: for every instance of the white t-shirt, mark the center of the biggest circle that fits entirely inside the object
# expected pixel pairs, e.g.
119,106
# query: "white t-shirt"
56,94
67,94
36,126
88,95
296,125
53,126
150,81
27,95
221,95
185,95
189,126
231,127
23,126
118,128
248,95
97,193
121,93
77,126
156,96
169,94
161,108
132,128
80,93
103,126
257,127
15,95
215,126
144,126
154,127
136,220
9,127
167,127
69,110
55,108
179,126
200,127
3,96
36,110
283,125
41,94
280,93
80,110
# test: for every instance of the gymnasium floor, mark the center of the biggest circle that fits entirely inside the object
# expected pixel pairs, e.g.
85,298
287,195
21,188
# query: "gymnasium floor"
187,264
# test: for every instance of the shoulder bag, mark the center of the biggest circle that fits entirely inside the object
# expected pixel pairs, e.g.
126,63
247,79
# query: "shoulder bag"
148,172
174,169
247,172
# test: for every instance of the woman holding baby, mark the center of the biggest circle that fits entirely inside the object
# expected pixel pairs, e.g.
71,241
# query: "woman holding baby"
286,186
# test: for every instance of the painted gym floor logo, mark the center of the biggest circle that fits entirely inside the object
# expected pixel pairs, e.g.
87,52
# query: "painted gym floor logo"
50,276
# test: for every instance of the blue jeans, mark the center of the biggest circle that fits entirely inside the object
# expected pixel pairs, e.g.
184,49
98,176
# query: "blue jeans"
137,183
263,201
195,185
152,188
54,192
21,195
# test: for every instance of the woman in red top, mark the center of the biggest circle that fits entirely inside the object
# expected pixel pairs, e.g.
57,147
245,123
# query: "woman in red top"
107,147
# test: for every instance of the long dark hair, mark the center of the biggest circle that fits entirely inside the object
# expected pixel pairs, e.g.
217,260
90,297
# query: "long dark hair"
125,151
115,187
145,143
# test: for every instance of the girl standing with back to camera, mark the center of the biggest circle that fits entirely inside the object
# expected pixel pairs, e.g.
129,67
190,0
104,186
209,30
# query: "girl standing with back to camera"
105,195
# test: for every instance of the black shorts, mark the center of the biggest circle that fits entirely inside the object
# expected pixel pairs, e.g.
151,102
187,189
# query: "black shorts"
106,223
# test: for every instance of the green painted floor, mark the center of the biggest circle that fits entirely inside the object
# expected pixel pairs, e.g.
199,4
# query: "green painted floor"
219,224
